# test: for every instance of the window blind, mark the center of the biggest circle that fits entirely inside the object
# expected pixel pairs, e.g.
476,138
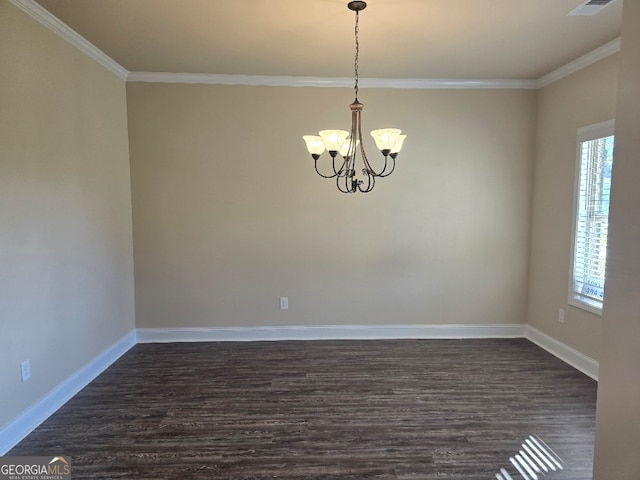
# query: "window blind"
592,220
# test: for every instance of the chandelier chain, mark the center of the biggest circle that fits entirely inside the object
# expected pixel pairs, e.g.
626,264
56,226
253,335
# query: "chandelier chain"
356,30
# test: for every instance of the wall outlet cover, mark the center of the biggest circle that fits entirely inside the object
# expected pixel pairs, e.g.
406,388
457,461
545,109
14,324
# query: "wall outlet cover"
26,370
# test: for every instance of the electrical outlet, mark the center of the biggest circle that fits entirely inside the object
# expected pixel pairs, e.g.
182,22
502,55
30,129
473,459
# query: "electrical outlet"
561,315
26,370
284,303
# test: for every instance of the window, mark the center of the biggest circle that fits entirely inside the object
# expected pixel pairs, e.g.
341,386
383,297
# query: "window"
591,216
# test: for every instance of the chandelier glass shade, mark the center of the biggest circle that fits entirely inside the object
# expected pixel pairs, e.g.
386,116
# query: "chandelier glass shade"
344,147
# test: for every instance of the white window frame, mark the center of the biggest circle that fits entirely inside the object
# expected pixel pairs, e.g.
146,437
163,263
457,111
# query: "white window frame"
585,134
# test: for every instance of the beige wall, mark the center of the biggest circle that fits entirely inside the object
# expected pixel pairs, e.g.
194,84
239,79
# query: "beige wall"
66,265
584,98
229,214
618,413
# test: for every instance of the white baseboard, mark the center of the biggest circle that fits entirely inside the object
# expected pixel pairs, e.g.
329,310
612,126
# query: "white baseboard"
37,413
567,354
328,332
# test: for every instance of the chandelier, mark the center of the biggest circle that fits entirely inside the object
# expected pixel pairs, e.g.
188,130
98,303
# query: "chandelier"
344,146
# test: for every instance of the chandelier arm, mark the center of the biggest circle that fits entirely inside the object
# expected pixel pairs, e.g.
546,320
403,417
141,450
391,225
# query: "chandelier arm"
384,172
355,138
344,189
367,170
341,171
354,184
348,167
367,166
351,181
315,164
371,182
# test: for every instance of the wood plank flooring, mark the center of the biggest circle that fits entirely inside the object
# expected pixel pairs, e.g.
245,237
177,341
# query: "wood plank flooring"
400,409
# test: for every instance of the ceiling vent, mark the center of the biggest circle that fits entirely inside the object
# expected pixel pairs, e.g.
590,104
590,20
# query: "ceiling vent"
591,7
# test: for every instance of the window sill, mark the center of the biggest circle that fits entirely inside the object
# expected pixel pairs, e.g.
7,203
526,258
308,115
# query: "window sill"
588,305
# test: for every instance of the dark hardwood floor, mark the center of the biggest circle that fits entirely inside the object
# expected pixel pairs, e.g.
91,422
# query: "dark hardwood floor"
401,409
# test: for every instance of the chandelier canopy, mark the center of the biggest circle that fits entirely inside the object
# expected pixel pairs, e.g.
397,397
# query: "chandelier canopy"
343,146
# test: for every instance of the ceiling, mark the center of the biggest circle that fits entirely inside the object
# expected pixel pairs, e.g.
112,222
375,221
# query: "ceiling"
427,39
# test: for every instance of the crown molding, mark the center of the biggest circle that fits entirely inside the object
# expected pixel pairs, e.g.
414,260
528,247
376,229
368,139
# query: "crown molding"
43,16
579,63
251,80
448,83
38,13
327,82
